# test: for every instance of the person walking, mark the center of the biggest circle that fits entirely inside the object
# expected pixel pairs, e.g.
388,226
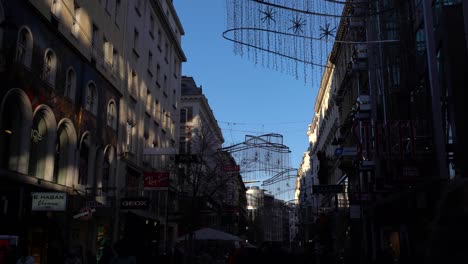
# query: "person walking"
25,256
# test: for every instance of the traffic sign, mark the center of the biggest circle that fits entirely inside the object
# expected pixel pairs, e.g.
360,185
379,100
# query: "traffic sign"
346,151
325,189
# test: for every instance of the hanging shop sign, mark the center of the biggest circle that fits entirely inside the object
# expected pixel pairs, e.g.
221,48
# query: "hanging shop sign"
49,201
85,213
156,180
134,203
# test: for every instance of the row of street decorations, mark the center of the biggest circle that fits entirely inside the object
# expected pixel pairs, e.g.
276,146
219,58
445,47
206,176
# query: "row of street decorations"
295,37
265,158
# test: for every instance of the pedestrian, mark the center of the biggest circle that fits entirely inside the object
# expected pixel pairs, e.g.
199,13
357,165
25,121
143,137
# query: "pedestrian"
107,254
25,256
123,254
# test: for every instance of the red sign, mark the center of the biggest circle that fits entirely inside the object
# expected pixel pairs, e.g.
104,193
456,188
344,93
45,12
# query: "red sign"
231,168
156,180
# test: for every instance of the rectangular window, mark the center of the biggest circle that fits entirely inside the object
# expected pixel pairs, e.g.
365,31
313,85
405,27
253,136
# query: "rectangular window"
151,26
158,75
94,36
115,59
130,133
107,6
166,52
148,101
116,12
150,61
135,39
107,50
76,19
183,116
159,39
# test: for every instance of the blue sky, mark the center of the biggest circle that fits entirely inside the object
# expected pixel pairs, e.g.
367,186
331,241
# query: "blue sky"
246,98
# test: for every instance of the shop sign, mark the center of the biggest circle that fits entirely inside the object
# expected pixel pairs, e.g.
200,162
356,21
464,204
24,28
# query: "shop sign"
49,201
134,203
156,180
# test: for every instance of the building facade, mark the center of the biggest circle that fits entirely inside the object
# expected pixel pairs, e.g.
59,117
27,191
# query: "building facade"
90,85
397,97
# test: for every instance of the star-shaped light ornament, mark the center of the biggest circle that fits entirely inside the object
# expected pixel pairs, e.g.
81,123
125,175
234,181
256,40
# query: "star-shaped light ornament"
298,23
327,31
268,15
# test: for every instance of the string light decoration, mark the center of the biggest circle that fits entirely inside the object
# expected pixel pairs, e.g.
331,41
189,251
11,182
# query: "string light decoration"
266,159
294,36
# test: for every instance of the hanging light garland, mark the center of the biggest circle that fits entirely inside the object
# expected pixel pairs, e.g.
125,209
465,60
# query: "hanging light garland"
286,35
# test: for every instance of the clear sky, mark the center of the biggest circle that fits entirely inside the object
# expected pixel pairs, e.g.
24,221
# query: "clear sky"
246,98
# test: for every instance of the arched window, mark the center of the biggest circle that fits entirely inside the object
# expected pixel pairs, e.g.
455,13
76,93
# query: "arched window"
70,84
84,160
107,169
15,131
112,114
50,67
91,98
42,143
24,47
64,153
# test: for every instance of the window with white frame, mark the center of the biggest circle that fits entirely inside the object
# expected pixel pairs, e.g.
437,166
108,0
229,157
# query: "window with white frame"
24,47
70,84
131,126
91,98
55,7
112,114
107,48
76,19
50,67
115,59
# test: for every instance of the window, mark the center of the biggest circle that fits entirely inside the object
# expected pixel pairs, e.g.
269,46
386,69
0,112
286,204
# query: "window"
150,60
166,51
115,60
107,6
165,84
107,50
116,11
147,127
130,134
158,75
148,101
420,41
55,7
83,163
112,114
151,30
94,36
133,83
70,84
138,6
135,39
76,19
24,47
159,39
91,98
183,115
50,67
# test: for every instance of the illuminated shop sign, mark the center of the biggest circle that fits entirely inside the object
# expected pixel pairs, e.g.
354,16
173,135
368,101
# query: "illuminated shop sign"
49,201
